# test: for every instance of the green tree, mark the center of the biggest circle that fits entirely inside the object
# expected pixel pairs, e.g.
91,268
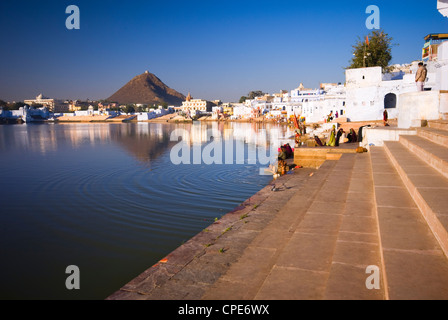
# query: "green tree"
373,51
15,105
129,108
254,94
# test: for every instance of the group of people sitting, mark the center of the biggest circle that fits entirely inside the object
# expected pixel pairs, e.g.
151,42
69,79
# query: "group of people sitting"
335,138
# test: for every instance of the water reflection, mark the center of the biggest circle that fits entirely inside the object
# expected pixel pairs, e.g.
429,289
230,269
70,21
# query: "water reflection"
107,198
144,141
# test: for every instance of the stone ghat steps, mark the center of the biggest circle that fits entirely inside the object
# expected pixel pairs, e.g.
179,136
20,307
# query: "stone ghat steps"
419,165
318,246
434,154
438,124
422,163
435,135
362,216
414,262
122,118
94,118
426,185
314,157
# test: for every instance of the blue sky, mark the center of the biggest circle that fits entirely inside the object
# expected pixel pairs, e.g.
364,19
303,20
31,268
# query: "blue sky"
213,49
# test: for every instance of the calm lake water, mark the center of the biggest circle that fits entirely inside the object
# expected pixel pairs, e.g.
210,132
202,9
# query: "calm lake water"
108,199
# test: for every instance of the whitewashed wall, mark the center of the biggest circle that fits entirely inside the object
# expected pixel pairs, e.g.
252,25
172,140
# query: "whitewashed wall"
417,106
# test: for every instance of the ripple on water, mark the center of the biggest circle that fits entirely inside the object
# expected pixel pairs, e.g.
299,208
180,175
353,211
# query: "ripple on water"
164,200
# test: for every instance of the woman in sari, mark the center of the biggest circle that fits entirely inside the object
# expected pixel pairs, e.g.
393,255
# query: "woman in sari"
338,136
352,136
332,139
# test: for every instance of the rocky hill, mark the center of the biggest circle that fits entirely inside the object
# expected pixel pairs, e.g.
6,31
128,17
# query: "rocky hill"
147,89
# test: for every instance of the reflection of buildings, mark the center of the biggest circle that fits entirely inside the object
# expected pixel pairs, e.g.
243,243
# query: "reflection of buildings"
28,138
252,134
143,141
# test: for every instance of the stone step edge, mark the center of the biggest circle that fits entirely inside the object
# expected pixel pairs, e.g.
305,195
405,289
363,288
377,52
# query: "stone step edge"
438,124
438,230
384,283
439,164
435,137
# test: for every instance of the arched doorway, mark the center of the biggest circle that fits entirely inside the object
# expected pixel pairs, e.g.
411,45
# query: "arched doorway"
390,101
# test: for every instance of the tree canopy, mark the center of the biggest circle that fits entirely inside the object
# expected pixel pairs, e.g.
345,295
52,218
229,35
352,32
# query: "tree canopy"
252,95
373,51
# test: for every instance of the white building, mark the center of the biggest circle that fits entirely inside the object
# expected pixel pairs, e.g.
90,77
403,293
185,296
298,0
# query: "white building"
242,111
442,6
26,113
193,105
301,94
52,104
145,116
441,67
368,95
316,107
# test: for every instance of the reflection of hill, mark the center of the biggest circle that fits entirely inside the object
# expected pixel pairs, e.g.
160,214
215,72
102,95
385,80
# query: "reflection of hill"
144,141
145,144
148,141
